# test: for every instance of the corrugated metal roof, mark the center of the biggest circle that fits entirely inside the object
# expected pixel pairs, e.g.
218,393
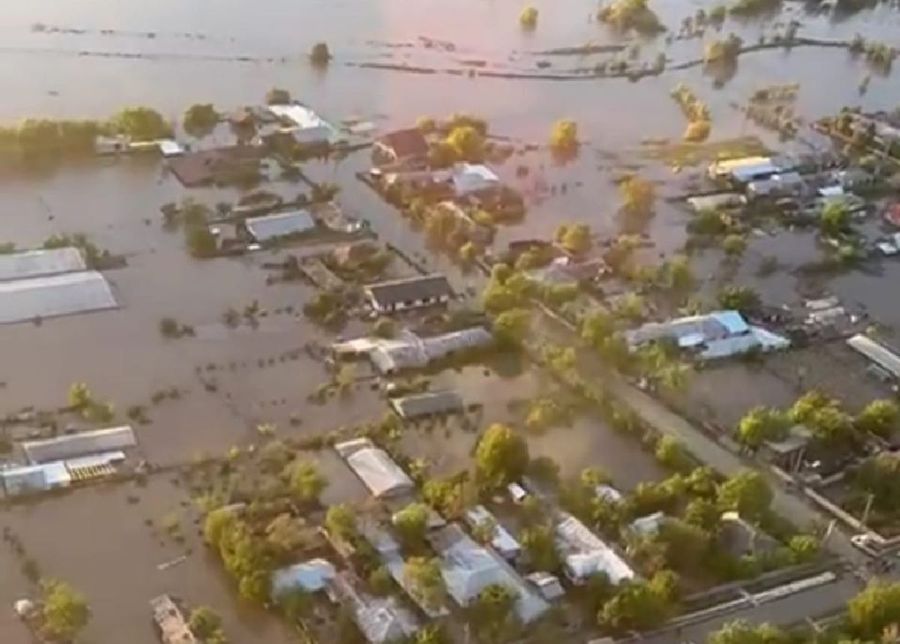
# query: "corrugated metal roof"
309,576
585,554
410,289
880,355
427,404
37,263
501,541
82,444
375,468
283,224
46,297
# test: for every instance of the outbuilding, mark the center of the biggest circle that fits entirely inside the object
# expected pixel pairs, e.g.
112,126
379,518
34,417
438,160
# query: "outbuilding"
407,148
409,293
428,404
282,225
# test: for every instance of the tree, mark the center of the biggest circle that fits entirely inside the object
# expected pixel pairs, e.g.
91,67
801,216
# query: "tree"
804,547
679,273
201,242
200,119
874,609
739,298
835,218
431,634
880,417
673,454
638,196
305,481
880,477
564,138
630,14
806,406
687,545
65,612
501,456
217,523
467,143
741,632
492,614
761,424
278,96
206,625
528,18
286,534
734,245
539,545
637,606
832,425
425,580
141,124
511,327
445,495
546,412
748,493
704,514
341,521
411,523
80,396
575,238
320,54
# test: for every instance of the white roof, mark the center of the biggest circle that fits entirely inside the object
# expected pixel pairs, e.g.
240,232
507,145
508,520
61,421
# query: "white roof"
281,224
719,324
585,554
468,177
729,165
877,353
170,148
469,568
502,541
55,295
650,524
375,468
37,263
81,444
831,191
310,576
714,202
300,115
608,493
547,584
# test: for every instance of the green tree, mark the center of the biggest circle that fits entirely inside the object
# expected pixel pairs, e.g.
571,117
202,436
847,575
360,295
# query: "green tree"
874,609
80,396
340,520
673,454
445,495
511,327
320,54
734,245
564,138
748,493
200,119
687,545
141,124
880,417
880,477
638,196
528,18
704,514
206,625
64,612
411,523
832,425
804,547
575,238
741,632
636,607
467,143
739,298
679,274
425,580
278,96
761,424
286,534
201,242
217,523
501,456
492,615
305,481
539,545
835,218
806,406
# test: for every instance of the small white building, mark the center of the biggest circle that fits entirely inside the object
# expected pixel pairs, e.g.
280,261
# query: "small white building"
375,468
469,178
585,554
649,525
303,124
547,585
309,577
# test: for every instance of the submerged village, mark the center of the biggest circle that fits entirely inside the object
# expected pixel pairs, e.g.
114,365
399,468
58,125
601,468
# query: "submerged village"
475,336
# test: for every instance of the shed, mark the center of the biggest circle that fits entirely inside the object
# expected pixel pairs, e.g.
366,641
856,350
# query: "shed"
81,444
39,263
375,468
501,541
280,225
547,585
405,147
585,554
877,353
432,403
303,124
54,295
310,577
409,293
470,178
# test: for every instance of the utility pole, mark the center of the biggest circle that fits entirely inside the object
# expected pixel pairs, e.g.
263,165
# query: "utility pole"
865,516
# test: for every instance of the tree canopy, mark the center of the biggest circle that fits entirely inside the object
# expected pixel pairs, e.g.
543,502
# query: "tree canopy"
141,124
564,137
65,611
761,424
427,583
874,609
305,481
501,456
748,493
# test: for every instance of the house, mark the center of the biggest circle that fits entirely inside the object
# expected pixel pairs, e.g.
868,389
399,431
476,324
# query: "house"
608,494
744,170
303,124
547,585
381,620
469,178
171,625
719,334
468,568
407,148
789,452
37,298
283,225
585,555
501,541
788,184
649,525
877,353
223,165
409,351
35,478
375,468
428,404
309,577
70,446
719,201
409,293
741,539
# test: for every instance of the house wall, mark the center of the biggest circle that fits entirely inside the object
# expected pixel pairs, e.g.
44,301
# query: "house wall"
407,305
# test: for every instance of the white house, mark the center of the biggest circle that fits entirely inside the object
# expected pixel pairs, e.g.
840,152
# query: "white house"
469,178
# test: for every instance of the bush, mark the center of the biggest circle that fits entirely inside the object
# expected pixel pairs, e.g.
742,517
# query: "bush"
630,14
201,243
564,137
528,18
200,119
697,131
722,51
278,96
141,124
320,54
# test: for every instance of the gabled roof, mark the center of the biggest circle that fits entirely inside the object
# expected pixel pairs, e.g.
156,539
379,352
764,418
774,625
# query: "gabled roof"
281,224
54,295
81,444
428,403
585,554
406,143
36,263
409,289
310,576
374,467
